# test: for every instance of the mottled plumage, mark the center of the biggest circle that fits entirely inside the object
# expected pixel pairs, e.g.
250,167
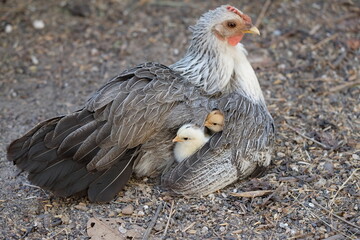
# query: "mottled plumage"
127,125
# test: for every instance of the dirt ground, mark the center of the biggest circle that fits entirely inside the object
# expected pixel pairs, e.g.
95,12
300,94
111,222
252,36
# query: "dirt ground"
307,61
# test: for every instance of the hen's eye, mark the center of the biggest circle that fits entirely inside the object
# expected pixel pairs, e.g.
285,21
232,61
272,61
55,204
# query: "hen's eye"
186,139
231,24
215,124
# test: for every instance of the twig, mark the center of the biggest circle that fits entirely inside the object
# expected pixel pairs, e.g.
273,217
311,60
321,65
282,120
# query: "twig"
168,221
30,185
319,218
188,227
308,138
272,194
322,42
252,194
153,222
326,210
344,86
262,13
343,185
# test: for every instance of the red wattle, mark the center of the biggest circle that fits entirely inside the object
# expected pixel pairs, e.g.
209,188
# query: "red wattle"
235,40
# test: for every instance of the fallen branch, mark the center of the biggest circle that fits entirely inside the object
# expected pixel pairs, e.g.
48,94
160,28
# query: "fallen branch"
344,86
333,214
168,221
252,194
343,185
308,138
322,42
262,13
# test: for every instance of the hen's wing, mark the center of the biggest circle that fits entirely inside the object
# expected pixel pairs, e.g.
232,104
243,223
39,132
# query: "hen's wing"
93,150
241,150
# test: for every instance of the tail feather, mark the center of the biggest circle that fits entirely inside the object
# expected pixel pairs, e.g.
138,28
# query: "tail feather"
105,187
57,152
56,172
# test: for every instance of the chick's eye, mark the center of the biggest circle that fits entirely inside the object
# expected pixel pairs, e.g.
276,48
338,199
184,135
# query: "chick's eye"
231,24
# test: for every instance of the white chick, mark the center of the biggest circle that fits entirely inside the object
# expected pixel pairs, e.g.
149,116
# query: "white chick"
189,139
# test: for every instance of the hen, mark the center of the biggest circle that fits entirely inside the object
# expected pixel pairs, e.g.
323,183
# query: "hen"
127,125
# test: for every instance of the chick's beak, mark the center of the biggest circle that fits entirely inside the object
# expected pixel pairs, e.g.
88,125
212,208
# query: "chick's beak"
177,139
207,124
253,30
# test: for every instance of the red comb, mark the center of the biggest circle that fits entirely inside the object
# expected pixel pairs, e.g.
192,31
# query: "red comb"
245,17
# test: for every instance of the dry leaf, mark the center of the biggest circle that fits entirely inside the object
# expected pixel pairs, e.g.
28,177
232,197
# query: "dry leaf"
104,229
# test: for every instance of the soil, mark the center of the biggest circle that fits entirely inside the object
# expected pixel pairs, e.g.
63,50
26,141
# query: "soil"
307,62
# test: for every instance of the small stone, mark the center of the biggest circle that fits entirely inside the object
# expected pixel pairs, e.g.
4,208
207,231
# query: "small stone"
320,183
33,69
356,157
34,60
8,28
65,219
128,210
140,213
146,207
112,214
55,222
329,167
311,205
283,225
159,226
222,229
280,154
176,51
81,206
94,51
204,230
38,24
202,208
122,229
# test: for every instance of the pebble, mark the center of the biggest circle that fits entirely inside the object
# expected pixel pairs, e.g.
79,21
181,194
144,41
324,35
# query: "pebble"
81,206
204,230
311,205
283,225
122,230
329,167
356,157
222,229
140,213
112,214
38,24
34,60
128,210
320,183
8,28
280,154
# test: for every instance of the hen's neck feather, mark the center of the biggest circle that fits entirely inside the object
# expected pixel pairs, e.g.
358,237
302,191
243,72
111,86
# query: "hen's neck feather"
215,66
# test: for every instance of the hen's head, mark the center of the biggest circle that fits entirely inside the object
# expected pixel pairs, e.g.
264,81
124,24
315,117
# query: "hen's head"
227,23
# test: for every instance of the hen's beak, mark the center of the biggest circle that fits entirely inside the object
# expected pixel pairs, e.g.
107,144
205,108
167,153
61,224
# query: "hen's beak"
177,139
253,30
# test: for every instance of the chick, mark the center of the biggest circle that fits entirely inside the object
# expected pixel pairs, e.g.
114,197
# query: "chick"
215,121
190,138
